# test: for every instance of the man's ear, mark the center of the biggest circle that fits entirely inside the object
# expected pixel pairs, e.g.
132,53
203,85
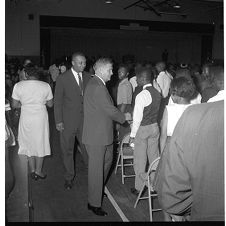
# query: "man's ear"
72,62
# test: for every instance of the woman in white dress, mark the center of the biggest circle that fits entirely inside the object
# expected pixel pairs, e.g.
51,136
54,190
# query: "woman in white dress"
32,96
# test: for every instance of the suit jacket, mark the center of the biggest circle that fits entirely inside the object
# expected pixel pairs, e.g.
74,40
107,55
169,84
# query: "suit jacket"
191,172
99,113
68,100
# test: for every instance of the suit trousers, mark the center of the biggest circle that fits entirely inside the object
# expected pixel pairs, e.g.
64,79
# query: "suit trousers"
67,141
146,145
100,160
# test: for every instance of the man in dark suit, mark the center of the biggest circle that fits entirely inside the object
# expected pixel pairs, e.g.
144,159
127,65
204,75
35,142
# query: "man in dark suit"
99,114
68,110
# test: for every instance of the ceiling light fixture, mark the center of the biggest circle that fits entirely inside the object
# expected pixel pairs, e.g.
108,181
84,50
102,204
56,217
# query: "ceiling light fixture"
177,5
108,1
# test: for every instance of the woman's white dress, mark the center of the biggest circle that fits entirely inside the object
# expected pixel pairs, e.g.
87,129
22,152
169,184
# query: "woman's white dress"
33,132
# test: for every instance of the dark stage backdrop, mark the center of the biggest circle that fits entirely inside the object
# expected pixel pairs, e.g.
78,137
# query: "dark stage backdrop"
144,45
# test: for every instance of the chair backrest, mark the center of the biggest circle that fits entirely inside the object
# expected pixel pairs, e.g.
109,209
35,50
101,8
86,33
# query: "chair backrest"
124,141
152,168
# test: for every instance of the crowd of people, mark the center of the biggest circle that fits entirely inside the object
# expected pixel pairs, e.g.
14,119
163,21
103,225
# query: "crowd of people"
164,107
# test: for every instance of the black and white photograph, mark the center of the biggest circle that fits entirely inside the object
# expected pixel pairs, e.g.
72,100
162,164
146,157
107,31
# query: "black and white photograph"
114,111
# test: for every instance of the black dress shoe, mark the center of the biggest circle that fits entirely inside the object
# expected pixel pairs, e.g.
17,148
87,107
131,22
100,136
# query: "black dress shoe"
37,176
68,184
97,210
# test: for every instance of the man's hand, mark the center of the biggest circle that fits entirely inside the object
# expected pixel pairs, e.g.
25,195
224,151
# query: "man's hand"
60,126
128,116
131,142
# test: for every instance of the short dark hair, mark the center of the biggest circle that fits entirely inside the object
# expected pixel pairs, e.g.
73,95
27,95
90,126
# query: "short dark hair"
145,72
183,87
123,66
33,71
77,54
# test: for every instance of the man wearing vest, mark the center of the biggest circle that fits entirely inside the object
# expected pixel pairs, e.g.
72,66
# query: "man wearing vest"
145,131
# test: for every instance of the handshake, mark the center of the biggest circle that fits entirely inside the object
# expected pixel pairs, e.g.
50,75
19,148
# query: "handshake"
128,116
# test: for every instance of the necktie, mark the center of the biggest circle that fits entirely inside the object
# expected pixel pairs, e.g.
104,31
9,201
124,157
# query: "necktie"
80,82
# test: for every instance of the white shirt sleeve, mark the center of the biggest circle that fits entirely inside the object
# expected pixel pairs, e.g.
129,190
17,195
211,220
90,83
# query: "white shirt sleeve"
160,81
16,93
142,100
49,93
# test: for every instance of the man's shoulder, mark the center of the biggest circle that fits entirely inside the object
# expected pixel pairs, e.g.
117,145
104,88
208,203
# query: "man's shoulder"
201,110
86,73
64,75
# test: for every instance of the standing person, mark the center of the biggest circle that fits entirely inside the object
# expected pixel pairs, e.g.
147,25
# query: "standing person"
32,96
68,111
125,91
99,114
162,84
190,180
145,131
124,97
182,91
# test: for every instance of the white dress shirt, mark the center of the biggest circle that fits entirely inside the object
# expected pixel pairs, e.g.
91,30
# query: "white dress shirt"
142,100
164,80
76,75
219,96
133,82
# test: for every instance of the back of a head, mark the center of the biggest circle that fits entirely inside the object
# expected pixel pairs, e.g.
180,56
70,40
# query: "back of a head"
161,66
183,73
145,73
32,71
100,63
183,87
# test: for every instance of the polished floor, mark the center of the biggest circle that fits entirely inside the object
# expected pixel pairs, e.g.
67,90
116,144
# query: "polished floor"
52,203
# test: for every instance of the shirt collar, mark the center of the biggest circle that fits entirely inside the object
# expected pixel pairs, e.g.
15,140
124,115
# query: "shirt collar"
101,79
77,73
147,85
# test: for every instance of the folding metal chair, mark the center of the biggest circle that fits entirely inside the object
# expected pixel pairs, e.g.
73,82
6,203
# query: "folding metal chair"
125,154
147,179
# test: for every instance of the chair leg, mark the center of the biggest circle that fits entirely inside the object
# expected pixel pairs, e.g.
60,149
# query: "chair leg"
138,197
119,155
150,202
122,169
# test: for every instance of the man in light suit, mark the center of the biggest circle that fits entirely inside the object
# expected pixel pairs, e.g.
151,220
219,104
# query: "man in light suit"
68,111
99,114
